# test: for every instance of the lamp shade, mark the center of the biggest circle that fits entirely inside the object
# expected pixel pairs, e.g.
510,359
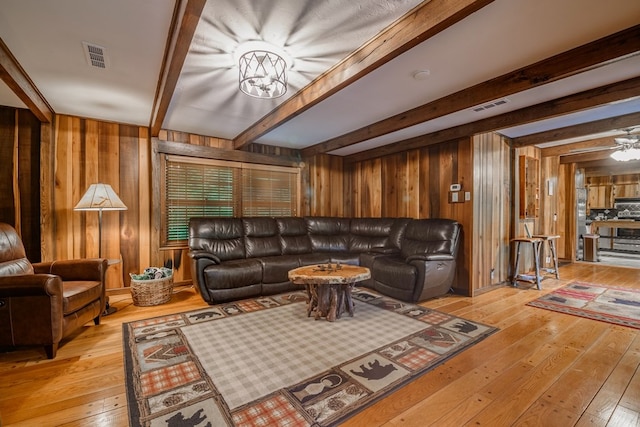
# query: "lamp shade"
100,197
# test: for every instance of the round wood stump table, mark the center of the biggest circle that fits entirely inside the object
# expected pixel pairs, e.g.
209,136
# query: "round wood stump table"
329,287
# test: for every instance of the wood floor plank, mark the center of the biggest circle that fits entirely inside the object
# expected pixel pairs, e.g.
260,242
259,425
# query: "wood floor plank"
611,392
540,368
576,388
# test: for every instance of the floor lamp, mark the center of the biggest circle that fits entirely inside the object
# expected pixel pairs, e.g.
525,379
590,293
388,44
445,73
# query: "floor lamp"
101,197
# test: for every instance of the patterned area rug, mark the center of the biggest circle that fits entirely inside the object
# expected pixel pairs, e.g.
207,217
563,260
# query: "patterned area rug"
263,362
600,302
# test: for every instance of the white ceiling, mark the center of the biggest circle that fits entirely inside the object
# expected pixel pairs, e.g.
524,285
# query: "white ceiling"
46,39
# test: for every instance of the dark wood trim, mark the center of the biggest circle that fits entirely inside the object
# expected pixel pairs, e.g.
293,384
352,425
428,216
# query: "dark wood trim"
598,53
596,144
180,149
420,24
587,99
604,125
183,26
586,157
12,73
605,167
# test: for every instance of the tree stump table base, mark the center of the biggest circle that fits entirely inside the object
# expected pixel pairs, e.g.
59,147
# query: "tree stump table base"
329,289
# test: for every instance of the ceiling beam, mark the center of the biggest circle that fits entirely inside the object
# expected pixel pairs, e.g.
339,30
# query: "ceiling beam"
568,104
592,55
186,16
586,157
576,131
609,167
596,144
12,73
421,23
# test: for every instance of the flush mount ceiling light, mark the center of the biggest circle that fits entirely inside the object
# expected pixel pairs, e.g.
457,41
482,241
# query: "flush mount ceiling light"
629,147
263,70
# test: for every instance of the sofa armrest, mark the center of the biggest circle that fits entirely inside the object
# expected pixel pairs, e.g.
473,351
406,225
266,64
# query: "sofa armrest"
199,254
30,285
77,269
430,257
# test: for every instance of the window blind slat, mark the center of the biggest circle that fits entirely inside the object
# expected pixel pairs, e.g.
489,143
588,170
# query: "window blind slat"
198,187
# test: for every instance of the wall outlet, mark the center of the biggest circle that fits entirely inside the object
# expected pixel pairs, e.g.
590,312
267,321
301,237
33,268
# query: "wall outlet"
467,196
548,259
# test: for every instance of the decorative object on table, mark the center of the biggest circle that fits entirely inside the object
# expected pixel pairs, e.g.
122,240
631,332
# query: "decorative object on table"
223,365
611,304
153,287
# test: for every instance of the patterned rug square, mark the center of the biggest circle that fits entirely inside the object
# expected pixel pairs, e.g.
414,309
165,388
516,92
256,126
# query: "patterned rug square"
599,302
264,362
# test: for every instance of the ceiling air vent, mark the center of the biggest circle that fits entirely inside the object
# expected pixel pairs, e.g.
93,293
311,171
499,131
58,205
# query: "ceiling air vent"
490,105
95,55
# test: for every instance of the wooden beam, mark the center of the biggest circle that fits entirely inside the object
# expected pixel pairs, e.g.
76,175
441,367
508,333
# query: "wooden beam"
568,104
586,157
12,73
423,22
186,16
604,125
609,167
189,150
600,52
596,144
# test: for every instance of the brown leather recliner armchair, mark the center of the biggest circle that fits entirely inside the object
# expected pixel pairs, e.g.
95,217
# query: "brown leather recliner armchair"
42,303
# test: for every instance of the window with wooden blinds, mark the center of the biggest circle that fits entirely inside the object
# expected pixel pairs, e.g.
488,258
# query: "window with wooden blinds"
200,187
269,192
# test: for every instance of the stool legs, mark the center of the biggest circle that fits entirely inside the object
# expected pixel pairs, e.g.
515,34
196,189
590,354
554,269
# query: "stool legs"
535,246
554,255
536,261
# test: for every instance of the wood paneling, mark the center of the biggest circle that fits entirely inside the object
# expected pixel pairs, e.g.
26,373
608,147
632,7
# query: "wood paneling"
491,211
412,184
19,176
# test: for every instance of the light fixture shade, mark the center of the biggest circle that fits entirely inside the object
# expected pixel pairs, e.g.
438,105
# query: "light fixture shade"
100,197
263,74
627,154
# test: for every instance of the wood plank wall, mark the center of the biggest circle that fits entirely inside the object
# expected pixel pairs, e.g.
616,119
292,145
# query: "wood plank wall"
413,184
491,213
19,176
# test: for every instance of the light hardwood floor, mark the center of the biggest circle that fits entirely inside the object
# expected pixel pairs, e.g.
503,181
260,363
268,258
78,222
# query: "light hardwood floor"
541,369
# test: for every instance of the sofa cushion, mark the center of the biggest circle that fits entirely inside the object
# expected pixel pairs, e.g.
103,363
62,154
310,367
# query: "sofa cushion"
233,274
223,237
368,233
293,236
430,237
261,237
328,234
13,258
276,269
77,294
394,271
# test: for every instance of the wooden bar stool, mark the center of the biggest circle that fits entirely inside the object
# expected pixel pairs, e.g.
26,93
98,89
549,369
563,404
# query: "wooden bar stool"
535,243
551,241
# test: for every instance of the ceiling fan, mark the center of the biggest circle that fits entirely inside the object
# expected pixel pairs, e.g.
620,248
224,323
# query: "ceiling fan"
619,143
629,147
628,139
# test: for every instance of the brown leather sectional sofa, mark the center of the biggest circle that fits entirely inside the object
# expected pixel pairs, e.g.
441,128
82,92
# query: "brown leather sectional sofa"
234,258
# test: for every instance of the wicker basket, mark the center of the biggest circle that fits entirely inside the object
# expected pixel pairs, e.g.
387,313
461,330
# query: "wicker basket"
151,292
